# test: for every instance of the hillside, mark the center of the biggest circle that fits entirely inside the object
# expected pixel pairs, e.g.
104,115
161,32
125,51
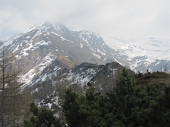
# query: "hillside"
155,78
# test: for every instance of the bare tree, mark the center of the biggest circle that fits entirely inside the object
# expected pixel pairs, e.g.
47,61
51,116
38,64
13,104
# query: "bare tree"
12,98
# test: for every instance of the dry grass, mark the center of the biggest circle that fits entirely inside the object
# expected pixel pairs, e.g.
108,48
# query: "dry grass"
154,78
66,61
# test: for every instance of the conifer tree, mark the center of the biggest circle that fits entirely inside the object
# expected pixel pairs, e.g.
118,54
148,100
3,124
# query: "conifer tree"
71,107
93,107
42,117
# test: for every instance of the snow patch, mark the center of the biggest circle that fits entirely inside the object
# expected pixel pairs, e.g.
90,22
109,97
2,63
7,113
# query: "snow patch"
81,45
96,55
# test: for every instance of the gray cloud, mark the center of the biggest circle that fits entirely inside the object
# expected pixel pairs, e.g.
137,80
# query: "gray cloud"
113,18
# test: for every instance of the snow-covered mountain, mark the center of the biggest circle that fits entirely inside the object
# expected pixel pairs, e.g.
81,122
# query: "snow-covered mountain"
46,43
40,46
143,54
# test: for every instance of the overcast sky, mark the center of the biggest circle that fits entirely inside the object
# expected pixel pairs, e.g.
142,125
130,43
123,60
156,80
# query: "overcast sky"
124,19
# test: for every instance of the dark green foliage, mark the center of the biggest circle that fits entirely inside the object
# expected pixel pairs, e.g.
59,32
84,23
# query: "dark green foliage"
166,106
135,106
41,118
71,108
138,75
93,107
126,105
84,110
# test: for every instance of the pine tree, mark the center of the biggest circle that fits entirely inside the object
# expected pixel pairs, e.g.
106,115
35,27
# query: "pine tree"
42,117
93,107
83,110
71,107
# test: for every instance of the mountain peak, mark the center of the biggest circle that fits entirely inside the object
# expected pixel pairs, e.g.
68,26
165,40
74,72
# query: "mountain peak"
89,34
48,27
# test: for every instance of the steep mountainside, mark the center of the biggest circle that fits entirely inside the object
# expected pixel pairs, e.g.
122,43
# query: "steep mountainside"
48,88
40,46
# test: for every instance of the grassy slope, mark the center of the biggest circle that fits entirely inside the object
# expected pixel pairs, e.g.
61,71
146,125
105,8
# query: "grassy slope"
154,78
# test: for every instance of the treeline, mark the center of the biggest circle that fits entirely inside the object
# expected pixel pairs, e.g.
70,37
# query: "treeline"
126,105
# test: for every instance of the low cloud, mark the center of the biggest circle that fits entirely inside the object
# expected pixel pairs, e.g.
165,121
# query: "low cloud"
113,18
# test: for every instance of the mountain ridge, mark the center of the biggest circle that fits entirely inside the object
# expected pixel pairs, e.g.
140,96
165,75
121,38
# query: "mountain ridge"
41,45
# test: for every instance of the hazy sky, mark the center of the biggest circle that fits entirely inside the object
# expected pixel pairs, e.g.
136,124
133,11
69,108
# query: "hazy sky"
124,19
